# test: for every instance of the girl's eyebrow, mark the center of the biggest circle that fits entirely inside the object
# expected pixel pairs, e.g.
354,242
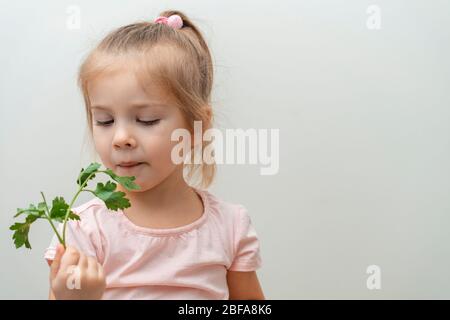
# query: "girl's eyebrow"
133,106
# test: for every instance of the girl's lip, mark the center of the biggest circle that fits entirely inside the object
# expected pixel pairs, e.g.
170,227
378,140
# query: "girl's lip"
128,169
129,164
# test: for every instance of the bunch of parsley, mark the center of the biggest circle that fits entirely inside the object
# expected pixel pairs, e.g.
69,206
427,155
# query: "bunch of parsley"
61,212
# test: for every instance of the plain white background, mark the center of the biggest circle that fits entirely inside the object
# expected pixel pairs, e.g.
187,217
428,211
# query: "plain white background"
364,134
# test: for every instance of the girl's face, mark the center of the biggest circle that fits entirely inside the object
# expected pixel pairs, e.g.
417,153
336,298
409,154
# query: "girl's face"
131,125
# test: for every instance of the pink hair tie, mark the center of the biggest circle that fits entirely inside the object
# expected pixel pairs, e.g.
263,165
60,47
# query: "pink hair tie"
173,21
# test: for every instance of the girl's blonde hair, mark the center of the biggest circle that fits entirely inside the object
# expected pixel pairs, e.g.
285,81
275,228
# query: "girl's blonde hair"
176,60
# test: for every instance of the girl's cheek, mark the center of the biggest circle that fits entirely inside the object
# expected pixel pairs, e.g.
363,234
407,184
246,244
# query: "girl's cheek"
101,145
103,149
161,145
160,150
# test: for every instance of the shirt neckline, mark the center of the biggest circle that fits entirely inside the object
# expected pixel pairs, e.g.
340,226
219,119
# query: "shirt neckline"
170,231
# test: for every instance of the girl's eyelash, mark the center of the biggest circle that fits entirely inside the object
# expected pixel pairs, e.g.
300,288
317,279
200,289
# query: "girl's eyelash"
103,123
150,122
145,123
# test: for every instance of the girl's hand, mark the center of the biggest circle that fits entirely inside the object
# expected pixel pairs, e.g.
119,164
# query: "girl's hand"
75,276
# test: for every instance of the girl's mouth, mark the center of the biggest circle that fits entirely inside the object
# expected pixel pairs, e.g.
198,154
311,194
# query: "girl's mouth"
129,166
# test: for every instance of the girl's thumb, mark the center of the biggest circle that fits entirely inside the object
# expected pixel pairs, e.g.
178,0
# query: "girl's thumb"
57,261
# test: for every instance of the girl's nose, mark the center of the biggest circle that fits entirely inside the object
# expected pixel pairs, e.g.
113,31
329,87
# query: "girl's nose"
123,138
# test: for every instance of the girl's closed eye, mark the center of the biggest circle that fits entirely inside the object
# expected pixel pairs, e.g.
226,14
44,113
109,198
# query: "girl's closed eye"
144,122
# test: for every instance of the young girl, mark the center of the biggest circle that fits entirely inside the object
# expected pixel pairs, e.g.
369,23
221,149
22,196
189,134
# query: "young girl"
176,241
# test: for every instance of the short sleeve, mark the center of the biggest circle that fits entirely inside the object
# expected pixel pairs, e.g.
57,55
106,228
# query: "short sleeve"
247,255
80,234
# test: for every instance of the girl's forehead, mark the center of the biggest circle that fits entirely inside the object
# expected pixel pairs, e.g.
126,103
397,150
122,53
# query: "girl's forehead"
123,80
129,74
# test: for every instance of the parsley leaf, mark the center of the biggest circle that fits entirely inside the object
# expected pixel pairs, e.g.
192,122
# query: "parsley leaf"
113,199
126,182
84,174
61,211
21,230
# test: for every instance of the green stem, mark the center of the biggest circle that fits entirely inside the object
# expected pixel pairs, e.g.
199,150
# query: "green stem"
49,219
70,207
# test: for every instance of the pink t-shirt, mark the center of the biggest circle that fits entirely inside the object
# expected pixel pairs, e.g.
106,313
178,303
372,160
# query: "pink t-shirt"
187,262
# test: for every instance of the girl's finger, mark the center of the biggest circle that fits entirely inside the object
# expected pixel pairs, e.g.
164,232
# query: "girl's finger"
70,258
57,261
83,262
92,265
101,272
